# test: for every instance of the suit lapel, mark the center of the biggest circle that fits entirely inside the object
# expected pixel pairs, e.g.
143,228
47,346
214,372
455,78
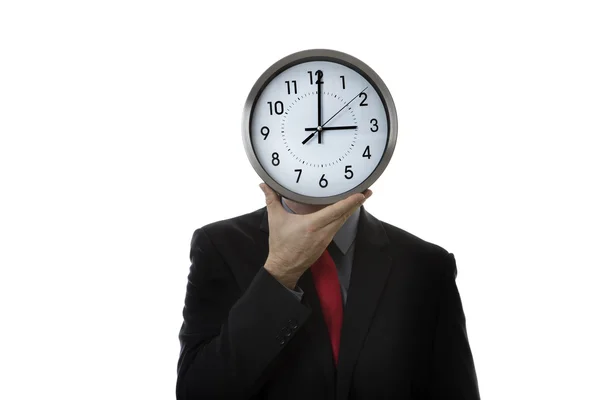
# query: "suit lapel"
370,270
317,331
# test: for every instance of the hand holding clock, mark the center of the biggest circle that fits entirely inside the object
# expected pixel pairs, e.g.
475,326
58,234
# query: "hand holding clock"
297,241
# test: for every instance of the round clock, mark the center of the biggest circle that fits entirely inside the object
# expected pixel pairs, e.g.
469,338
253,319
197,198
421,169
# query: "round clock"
318,126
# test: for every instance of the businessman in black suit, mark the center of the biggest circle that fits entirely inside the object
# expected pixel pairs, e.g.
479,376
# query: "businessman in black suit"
261,320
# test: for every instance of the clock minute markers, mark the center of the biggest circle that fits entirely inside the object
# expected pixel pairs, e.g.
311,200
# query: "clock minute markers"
326,122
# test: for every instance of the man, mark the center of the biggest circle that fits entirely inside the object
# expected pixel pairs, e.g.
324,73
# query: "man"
264,316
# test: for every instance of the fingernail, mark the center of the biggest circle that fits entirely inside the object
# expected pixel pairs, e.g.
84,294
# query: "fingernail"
262,187
368,194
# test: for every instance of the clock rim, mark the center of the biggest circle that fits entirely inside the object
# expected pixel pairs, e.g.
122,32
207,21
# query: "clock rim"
320,55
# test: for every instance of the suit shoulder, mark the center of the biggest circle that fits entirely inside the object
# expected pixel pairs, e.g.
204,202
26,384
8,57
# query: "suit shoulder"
404,238
231,229
433,259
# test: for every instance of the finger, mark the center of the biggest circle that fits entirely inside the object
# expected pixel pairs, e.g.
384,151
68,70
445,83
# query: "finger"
336,224
337,210
272,199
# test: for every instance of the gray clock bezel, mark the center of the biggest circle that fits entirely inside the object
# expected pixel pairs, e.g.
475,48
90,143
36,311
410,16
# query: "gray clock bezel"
320,55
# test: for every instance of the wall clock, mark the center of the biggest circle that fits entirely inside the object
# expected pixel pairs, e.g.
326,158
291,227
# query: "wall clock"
319,125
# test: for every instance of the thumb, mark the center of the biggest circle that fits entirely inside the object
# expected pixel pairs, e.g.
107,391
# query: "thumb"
272,199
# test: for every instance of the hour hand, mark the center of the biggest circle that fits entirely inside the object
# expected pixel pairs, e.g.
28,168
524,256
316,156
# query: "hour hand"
332,128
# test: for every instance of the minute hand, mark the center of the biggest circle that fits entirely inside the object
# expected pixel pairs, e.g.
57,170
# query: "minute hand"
339,111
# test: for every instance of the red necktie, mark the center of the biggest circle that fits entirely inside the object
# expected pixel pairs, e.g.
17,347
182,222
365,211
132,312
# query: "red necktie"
326,282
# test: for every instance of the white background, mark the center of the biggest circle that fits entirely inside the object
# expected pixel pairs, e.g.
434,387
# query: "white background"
120,134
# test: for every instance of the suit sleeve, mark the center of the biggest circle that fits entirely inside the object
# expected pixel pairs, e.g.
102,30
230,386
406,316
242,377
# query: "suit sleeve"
297,292
453,374
228,338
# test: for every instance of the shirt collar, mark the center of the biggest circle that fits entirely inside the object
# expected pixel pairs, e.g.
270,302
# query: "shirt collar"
347,233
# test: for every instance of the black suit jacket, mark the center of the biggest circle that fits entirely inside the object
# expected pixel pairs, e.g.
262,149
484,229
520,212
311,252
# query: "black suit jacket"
245,336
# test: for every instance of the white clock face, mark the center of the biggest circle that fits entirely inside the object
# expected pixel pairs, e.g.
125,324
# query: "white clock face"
319,128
